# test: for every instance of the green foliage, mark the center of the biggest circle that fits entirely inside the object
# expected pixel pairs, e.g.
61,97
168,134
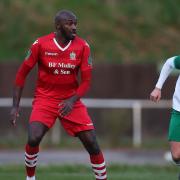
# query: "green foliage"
138,31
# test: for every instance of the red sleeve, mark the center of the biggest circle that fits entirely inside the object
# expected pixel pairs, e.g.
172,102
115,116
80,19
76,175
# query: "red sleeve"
86,62
86,71
85,82
27,65
21,75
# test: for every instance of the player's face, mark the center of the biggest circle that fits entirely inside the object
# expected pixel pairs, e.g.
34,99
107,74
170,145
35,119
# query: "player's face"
68,28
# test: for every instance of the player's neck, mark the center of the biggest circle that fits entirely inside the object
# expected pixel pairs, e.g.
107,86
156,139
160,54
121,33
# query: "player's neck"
61,40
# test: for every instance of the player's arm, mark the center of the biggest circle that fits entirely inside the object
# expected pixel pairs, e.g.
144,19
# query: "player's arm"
21,75
86,74
169,65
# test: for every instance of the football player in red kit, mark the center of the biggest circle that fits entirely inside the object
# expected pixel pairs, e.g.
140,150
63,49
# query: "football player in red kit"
59,56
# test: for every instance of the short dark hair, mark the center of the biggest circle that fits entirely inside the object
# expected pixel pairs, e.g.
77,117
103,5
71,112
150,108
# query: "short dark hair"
59,15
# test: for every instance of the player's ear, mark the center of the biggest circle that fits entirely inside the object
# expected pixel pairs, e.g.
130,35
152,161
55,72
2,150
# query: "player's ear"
57,26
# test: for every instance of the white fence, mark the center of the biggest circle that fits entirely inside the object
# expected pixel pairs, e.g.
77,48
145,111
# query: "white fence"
136,106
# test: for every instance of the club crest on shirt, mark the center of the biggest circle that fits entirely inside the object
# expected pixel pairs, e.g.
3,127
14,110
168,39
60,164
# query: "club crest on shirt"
72,56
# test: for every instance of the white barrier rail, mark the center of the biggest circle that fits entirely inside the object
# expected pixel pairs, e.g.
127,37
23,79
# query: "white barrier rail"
136,105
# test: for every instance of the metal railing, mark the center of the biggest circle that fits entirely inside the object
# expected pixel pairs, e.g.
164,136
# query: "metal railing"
136,105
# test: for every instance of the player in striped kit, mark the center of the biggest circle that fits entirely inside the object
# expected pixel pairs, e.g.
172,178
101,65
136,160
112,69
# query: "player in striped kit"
59,55
174,128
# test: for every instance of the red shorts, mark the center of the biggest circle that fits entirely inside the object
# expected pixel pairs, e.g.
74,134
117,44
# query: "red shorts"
46,112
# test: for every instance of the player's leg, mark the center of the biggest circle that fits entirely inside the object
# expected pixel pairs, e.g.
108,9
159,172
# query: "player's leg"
36,131
88,139
78,123
174,137
175,151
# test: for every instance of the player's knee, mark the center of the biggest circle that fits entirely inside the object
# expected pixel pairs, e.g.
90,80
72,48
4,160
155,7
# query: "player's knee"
34,140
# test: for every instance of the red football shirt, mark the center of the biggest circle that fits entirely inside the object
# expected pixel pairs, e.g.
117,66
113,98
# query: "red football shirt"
58,66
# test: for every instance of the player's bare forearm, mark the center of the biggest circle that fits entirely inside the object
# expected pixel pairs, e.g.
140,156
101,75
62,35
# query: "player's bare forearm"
17,92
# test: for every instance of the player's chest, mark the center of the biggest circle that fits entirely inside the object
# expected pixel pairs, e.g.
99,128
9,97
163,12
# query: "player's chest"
56,60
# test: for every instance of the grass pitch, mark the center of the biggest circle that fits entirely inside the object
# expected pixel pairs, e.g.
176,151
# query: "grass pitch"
79,172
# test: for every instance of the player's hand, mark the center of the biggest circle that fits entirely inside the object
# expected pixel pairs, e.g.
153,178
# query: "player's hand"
155,95
66,106
14,115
